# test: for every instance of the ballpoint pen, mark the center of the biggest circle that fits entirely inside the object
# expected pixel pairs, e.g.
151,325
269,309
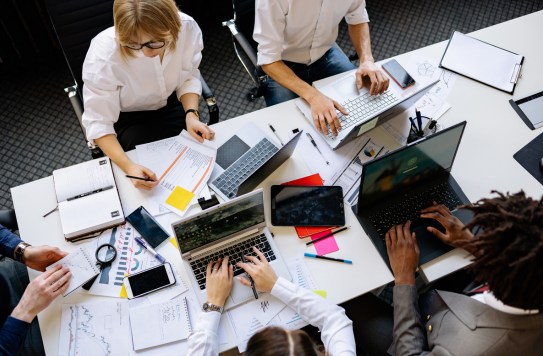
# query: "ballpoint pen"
276,135
413,126
315,144
419,121
327,258
335,231
248,276
148,248
90,193
139,178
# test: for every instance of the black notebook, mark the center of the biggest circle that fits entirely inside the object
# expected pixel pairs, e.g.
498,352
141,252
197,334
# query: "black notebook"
530,156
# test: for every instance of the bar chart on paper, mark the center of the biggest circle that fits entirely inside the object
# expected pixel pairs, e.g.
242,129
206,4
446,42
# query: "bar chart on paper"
94,329
300,273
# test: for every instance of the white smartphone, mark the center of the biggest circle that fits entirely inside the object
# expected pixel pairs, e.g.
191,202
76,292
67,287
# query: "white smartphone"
149,281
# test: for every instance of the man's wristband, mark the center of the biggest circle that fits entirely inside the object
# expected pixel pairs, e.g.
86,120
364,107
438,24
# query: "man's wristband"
19,251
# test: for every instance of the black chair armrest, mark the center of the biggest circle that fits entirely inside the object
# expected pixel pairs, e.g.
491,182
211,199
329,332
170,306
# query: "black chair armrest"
245,45
8,219
211,102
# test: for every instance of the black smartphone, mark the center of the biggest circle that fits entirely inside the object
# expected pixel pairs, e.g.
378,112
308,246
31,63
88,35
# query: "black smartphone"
400,75
147,226
307,205
149,281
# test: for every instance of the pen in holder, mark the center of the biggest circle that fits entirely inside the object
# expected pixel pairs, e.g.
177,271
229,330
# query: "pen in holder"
415,134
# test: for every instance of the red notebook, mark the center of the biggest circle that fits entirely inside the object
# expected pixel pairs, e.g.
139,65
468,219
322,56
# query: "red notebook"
304,231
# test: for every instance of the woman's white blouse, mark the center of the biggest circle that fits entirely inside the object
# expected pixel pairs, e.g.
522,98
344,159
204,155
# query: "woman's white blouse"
112,85
336,328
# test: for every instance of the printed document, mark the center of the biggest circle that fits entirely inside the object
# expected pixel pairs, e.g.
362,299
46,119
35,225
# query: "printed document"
183,166
82,265
88,329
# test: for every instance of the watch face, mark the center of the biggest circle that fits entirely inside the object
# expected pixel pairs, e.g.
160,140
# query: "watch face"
206,306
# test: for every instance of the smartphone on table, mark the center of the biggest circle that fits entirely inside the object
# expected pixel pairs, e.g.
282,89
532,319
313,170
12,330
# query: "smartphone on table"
307,205
398,74
149,281
147,227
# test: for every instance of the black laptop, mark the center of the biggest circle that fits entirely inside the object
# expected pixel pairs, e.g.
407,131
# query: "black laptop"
395,188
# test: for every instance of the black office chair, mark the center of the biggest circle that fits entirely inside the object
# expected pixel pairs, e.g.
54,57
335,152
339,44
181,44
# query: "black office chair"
76,23
8,219
241,28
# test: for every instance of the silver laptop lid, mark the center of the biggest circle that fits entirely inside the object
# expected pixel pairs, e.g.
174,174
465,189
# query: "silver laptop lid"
220,223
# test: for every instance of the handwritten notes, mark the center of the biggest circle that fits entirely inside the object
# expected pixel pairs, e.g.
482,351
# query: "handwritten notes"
266,307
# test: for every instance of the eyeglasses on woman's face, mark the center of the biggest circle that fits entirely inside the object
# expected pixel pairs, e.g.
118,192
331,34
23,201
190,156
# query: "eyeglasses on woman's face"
151,45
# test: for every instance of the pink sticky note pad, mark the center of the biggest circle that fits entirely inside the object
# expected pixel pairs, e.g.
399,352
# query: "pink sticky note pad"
328,245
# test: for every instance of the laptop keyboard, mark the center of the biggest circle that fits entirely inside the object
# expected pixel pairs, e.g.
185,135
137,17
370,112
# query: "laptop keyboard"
199,267
229,181
362,107
410,209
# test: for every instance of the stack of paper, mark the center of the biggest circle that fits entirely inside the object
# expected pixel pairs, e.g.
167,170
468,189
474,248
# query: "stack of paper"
183,167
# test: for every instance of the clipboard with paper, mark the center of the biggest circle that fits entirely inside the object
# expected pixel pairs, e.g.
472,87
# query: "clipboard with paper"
483,62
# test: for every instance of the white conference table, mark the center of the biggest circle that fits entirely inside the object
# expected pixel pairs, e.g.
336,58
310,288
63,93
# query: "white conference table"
484,162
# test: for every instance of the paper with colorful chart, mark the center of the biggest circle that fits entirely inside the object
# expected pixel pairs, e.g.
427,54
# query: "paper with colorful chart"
89,329
131,258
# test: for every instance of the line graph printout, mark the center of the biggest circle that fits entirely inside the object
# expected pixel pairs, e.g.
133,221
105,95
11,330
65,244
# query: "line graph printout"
99,329
82,265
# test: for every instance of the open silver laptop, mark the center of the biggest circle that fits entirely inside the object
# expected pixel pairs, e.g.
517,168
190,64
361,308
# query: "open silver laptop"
227,229
365,110
246,159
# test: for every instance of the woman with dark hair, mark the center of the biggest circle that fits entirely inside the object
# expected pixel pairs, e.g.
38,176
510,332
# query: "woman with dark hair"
336,328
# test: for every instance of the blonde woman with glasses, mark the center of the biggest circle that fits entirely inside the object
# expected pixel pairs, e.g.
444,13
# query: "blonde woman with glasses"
141,81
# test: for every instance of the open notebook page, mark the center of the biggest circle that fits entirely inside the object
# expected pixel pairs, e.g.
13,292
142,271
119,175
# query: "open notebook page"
159,324
83,178
90,213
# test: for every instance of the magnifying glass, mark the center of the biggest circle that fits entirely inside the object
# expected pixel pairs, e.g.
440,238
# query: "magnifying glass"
105,255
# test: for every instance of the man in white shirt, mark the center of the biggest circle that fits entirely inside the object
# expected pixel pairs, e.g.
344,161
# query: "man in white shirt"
502,318
296,47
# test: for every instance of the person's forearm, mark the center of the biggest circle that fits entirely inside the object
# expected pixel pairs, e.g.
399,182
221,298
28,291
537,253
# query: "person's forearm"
112,148
283,75
360,36
408,334
189,101
8,242
12,336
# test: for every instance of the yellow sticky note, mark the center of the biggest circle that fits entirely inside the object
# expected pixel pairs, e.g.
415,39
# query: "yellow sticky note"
123,291
322,293
174,242
180,198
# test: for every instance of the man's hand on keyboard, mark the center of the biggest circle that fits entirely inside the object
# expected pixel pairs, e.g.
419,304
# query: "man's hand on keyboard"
455,235
323,110
379,81
261,272
219,281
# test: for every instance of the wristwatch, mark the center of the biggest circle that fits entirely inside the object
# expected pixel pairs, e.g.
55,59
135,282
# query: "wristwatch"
196,112
19,251
209,307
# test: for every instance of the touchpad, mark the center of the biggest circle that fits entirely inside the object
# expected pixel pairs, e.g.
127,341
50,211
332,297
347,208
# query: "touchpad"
231,151
430,246
241,293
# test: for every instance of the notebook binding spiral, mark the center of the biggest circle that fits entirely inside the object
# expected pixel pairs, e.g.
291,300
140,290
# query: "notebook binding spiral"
88,257
187,313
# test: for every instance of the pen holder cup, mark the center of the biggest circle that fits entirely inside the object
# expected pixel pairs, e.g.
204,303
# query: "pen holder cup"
414,137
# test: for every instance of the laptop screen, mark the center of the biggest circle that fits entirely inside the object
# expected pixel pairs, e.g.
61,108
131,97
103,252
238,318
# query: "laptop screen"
224,221
408,166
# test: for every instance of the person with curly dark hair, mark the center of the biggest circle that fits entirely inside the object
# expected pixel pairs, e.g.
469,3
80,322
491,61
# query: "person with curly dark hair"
503,317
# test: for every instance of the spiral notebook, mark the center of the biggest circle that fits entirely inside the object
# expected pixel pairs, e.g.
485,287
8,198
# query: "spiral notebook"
82,265
160,324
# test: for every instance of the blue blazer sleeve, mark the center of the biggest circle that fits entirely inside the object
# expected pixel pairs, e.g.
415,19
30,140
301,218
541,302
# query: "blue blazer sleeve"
8,242
12,336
